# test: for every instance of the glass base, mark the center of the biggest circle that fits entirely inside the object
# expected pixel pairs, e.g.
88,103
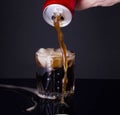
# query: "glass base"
55,95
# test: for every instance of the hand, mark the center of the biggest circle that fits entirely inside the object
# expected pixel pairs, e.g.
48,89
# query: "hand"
84,4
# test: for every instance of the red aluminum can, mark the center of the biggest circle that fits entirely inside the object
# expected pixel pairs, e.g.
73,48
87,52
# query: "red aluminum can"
65,8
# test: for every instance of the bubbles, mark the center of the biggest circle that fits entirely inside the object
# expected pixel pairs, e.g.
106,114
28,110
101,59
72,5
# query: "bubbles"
52,58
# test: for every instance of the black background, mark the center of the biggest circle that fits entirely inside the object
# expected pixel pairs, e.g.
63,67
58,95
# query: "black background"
93,34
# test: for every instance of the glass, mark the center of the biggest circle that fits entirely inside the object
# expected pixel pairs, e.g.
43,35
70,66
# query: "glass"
50,73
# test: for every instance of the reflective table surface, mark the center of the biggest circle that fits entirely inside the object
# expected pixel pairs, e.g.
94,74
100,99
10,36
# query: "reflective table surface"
92,97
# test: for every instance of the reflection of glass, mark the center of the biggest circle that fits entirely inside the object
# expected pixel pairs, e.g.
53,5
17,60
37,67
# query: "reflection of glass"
50,73
37,105
48,107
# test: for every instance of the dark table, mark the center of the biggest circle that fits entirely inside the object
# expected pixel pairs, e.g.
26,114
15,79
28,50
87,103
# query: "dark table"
92,97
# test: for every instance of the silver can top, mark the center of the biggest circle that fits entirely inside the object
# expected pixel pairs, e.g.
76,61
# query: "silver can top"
53,10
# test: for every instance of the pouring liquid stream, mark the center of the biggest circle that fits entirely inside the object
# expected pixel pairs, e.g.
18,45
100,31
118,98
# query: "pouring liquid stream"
64,54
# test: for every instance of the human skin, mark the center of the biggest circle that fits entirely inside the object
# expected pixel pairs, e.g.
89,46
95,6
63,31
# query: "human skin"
85,4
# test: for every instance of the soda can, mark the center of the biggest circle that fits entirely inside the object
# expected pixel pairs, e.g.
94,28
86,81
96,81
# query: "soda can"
64,8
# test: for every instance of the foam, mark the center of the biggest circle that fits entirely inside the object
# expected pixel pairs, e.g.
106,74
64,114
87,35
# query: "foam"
52,58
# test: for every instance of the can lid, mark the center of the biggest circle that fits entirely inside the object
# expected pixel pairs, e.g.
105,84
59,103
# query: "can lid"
57,9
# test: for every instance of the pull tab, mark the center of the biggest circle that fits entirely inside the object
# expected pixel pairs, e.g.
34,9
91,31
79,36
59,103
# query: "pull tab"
54,17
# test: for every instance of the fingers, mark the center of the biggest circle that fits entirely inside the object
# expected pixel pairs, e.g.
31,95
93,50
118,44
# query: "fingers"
85,4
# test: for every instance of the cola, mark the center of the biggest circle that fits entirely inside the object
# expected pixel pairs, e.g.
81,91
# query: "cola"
50,71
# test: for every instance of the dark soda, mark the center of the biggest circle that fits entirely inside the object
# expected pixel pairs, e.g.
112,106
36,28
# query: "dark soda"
50,72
